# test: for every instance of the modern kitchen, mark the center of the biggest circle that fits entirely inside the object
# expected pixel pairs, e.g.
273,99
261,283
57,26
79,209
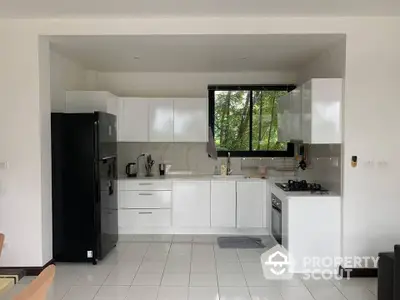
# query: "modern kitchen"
186,147
170,174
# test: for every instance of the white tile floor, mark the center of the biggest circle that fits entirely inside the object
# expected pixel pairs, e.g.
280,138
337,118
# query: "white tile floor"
188,268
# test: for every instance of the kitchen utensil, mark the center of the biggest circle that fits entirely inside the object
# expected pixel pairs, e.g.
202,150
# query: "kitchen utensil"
131,169
148,165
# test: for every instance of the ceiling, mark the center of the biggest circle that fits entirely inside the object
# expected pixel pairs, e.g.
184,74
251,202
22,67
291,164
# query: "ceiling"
194,53
107,8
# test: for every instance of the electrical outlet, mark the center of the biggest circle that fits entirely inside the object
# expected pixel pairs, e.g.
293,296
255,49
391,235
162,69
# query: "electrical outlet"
89,254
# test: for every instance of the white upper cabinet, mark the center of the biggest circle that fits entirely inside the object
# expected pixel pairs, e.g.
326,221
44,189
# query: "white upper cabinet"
289,116
90,101
321,111
191,203
295,115
190,120
161,120
133,120
284,118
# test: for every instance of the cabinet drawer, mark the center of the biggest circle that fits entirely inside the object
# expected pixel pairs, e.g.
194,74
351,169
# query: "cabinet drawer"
132,219
145,185
145,199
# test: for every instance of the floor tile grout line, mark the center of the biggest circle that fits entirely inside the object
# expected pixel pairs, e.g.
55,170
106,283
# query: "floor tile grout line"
245,279
142,260
216,271
162,274
190,267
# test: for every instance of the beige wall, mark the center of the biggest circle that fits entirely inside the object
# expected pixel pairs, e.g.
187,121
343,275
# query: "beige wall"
370,114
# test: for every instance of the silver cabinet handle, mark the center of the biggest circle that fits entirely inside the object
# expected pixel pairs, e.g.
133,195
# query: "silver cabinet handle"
145,194
145,183
145,213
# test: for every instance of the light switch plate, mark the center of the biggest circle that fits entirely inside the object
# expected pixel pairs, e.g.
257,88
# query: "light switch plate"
3,165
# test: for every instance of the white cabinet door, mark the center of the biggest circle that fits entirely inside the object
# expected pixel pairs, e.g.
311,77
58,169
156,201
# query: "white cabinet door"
161,120
326,106
321,111
191,203
190,120
251,208
133,123
306,112
295,115
284,118
223,204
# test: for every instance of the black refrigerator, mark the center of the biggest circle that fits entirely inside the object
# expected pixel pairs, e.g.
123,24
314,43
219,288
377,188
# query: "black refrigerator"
84,178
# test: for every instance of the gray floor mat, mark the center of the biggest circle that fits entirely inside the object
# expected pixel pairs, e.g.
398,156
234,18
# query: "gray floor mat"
240,242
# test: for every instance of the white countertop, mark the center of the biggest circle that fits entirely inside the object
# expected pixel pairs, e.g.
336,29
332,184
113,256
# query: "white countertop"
197,177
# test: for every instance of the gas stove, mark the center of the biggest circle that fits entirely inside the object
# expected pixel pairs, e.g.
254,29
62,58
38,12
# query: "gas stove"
301,186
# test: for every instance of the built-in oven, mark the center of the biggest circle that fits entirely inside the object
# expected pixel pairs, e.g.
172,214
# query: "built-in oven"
276,219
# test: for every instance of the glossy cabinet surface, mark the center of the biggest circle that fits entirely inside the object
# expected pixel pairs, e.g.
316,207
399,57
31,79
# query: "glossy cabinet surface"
312,112
223,204
290,116
284,118
145,199
161,120
133,220
190,120
251,204
133,120
191,203
321,110
295,114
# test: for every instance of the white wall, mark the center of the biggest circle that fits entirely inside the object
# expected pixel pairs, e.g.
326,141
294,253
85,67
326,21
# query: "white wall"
371,109
65,74
45,111
182,84
331,63
21,124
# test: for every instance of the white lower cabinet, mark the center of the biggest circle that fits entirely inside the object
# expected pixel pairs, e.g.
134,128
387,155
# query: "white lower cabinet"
145,199
251,204
193,206
191,203
131,220
223,204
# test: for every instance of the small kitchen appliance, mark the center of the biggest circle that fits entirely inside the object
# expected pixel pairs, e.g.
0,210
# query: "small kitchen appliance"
131,169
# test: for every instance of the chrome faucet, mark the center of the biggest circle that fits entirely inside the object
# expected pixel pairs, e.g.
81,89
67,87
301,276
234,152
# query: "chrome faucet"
228,165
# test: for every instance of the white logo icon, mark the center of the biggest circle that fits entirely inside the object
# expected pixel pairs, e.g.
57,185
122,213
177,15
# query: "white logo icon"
276,264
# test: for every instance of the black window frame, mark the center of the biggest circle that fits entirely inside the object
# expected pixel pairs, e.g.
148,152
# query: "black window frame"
250,153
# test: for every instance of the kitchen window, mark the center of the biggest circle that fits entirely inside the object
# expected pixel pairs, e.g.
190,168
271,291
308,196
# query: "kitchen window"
244,120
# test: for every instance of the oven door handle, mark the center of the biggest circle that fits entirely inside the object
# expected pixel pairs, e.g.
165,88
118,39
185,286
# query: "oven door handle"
278,209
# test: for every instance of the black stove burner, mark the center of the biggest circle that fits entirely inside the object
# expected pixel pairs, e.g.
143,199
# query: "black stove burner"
299,186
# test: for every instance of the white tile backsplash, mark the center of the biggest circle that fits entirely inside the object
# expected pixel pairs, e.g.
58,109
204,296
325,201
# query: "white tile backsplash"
193,157
325,166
